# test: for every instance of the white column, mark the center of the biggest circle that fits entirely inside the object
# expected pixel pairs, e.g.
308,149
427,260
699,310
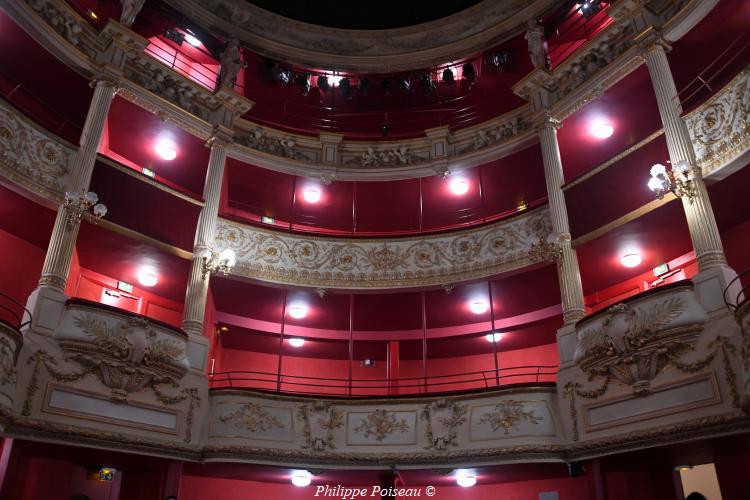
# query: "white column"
700,217
571,290
197,289
61,244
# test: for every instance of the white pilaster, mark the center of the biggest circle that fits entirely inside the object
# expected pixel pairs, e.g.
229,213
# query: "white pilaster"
571,290
197,289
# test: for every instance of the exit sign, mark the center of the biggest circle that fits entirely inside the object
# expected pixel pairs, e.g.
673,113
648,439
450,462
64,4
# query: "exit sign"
125,287
661,269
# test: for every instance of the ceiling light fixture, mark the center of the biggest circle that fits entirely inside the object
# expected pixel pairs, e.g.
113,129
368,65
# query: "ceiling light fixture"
494,337
465,479
311,195
296,342
221,262
301,478
147,277
478,306
630,259
78,204
192,40
602,130
297,311
459,186
166,150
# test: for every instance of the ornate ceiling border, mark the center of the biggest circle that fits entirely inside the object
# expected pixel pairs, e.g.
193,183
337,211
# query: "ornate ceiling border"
423,45
354,263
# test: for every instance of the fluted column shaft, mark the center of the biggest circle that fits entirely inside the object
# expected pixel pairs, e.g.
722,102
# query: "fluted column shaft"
60,250
571,290
195,297
700,217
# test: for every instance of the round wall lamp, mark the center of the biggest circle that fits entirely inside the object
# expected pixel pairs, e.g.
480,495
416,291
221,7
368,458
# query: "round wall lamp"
166,150
465,478
459,186
301,478
311,195
602,130
494,337
296,342
147,277
297,311
630,260
478,306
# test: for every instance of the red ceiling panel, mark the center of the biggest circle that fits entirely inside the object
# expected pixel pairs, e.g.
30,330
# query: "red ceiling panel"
121,258
442,208
137,144
659,236
509,181
145,208
25,69
387,207
259,192
388,311
629,106
25,219
616,191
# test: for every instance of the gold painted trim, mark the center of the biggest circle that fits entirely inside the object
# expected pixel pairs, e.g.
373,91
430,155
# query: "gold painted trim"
212,423
716,399
52,386
368,412
613,160
511,436
620,221
165,247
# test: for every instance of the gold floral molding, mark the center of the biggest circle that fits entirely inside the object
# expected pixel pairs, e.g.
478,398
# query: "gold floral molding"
720,128
507,415
442,420
253,418
381,424
368,263
319,420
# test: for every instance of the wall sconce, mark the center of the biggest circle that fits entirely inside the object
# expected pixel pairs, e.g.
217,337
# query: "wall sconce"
78,204
218,262
677,180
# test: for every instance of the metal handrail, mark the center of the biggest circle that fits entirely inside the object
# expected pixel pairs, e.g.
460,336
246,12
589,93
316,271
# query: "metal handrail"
302,384
18,322
738,298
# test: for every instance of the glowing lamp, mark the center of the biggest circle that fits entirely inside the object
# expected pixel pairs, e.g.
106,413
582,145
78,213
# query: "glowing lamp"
296,342
494,337
301,478
459,186
311,195
192,40
602,130
465,479
630,260
227,258
297,311
166,150
478,306
147,277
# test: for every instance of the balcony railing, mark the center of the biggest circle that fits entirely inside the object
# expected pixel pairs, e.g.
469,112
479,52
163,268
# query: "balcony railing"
298,384
13,313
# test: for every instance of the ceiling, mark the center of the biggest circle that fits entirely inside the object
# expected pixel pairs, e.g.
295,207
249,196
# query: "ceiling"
386,14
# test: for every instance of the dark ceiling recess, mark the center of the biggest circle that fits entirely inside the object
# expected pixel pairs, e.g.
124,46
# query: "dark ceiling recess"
384,14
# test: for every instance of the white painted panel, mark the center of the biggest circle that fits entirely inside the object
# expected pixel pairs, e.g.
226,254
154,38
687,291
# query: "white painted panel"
89,405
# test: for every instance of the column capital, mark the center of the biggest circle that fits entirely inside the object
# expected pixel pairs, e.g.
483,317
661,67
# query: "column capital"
652,41
220,137
105,81
547,121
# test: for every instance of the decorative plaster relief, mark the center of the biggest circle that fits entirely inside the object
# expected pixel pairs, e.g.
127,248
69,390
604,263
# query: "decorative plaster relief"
720,128
443,418
381,427
252,420
319,421
362,263
510,418
31,156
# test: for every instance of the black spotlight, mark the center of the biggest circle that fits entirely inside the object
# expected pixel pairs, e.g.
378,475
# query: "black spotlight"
500,59
364,86
384,129
386,86
590,8
323,83
303,80
448,75
175,36
283,75
345,85
469,74
404,84
426,81
575,469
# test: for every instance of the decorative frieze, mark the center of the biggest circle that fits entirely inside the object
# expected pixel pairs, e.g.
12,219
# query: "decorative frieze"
363,263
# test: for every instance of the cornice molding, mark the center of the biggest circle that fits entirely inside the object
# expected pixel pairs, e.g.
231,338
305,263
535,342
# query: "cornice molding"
471,30
360,263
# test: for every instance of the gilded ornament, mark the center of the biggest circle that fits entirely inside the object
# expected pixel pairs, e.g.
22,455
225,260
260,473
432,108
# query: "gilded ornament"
381,424
507,415
253,418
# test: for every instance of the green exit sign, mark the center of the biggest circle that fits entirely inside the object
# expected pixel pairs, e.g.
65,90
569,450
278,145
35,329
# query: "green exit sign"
125,287
661,269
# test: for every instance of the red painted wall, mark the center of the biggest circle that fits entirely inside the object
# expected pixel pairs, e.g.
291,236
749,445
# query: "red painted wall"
200,488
